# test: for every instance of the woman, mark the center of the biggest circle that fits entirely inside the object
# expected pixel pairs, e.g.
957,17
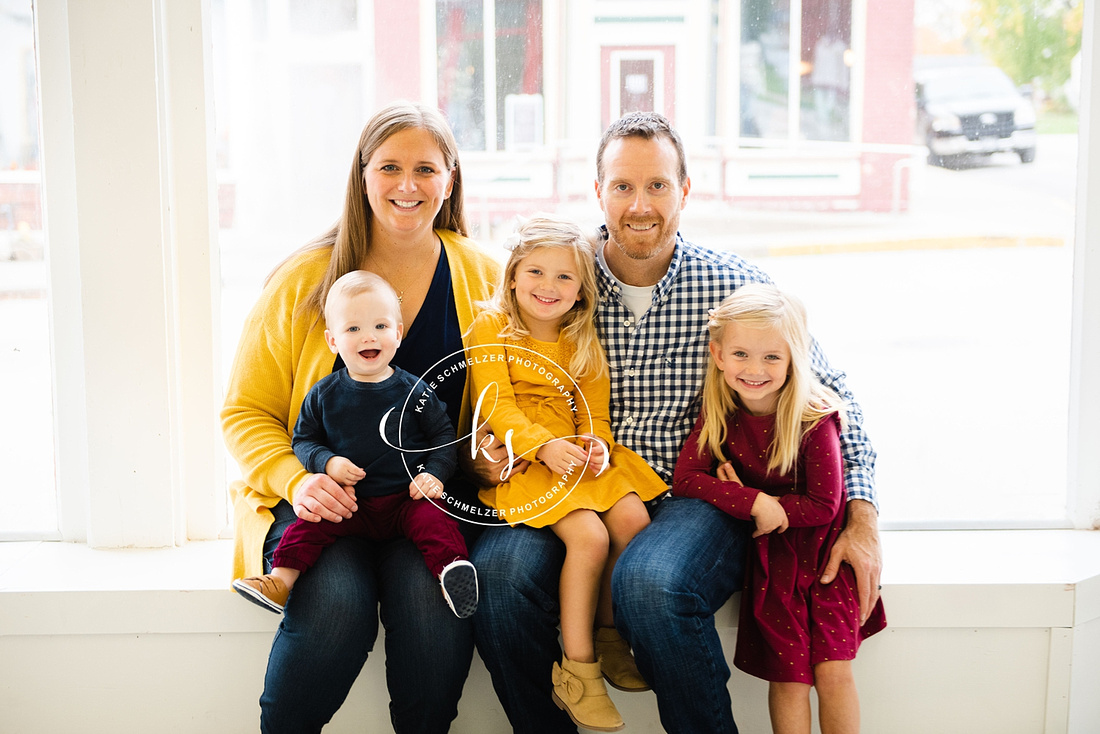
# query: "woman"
403,219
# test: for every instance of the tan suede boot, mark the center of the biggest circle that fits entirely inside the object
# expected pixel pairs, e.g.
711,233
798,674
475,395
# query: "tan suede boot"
580,692
617,662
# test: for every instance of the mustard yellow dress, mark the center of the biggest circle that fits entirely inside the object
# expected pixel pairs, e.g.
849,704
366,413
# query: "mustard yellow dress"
524,387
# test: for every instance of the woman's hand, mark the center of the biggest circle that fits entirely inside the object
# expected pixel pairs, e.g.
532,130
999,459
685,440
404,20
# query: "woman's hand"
486,465
425,485
768,514
560,456
343,471
320,498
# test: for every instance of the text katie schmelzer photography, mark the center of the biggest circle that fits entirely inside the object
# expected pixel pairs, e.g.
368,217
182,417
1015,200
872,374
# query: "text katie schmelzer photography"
453,367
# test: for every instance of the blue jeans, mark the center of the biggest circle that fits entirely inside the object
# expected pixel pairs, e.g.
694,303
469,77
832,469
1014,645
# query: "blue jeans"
516,625
331,623
666,587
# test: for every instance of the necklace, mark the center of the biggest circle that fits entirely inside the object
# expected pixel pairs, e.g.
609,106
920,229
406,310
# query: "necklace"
408,274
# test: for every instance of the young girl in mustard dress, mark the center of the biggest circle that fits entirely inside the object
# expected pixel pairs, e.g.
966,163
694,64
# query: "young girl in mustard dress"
541,380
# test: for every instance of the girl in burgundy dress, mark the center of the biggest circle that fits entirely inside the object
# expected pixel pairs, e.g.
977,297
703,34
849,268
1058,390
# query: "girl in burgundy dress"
769,429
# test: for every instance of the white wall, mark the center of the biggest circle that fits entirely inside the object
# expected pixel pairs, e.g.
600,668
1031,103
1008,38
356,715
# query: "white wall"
1004,639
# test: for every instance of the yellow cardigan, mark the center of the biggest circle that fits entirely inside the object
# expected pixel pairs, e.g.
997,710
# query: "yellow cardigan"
279,359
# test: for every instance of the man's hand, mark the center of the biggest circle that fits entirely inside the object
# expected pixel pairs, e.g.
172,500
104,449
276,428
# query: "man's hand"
320,498
858,545
484,469
597,452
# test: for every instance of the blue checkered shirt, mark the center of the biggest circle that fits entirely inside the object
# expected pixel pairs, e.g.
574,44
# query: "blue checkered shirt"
658,361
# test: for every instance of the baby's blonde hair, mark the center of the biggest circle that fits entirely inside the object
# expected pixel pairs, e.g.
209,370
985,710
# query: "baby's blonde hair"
578,325
803,400
353,283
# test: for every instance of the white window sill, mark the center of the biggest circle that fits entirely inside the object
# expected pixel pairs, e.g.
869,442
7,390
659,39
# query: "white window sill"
1002,578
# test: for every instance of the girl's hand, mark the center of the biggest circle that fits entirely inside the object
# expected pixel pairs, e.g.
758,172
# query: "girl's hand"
727,474
343,471
425,485
597,452
559,455
320,498
768,514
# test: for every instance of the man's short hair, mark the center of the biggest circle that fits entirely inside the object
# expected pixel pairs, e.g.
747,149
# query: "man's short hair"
646,125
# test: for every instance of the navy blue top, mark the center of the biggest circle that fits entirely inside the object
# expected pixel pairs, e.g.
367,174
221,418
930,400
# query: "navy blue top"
342,417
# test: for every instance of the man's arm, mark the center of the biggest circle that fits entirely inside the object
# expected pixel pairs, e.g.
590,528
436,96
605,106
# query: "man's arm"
858,545
855,445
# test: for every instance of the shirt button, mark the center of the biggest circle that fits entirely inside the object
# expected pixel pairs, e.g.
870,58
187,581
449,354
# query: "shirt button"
629,419
628,322
630,372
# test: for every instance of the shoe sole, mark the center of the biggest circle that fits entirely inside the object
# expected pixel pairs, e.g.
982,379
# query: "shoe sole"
460,590
617,687
581,724
247,592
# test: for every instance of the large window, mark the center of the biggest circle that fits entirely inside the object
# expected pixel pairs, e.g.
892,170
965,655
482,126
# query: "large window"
26,432
934,287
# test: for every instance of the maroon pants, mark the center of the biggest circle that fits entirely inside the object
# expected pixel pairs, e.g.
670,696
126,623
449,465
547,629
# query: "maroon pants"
433,531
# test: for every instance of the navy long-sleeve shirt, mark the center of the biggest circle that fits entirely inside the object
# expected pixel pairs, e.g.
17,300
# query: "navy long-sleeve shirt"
343,417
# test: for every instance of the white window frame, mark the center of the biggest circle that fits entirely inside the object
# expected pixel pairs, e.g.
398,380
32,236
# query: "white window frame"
129,213
128,178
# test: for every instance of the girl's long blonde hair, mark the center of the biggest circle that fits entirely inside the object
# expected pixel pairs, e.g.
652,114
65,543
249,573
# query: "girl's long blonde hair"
803,400
350,237
578,325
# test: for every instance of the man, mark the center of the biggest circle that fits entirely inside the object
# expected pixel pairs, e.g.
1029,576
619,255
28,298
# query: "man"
655,290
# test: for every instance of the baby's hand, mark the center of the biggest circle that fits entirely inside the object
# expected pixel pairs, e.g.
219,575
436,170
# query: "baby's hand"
343,471
727,474
559,455
597,452
425,485
768,514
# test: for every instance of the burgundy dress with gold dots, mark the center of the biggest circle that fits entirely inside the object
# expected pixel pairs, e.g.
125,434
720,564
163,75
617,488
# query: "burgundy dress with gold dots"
789,621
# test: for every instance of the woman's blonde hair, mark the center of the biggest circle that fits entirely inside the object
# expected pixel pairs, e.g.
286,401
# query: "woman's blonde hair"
803,400
350,237
578,325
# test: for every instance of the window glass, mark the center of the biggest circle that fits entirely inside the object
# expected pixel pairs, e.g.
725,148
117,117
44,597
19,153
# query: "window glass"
821,86
932,243
826,76
320,17
765,68
460,64
27,490
926,268
518,55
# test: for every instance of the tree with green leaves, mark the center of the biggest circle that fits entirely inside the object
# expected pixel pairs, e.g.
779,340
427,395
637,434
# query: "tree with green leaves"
1033,41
